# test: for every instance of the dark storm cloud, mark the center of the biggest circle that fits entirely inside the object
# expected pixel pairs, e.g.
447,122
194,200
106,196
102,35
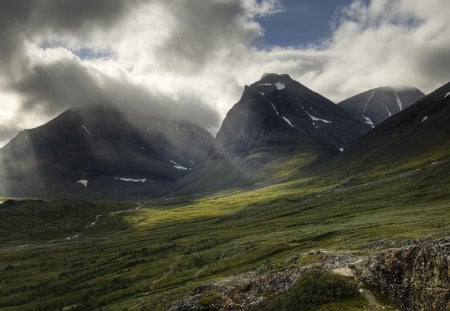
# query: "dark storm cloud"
48,88
21,20
181,58
58,85
81,15
199,29
34,15
435,63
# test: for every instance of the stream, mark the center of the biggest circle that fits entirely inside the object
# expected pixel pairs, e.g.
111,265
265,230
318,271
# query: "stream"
74,236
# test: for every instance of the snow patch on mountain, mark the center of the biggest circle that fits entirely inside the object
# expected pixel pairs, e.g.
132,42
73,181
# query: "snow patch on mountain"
369,122
387,110
84,182
398,100
367,102
424,119
126,179
287,121
317,119
280,86
86,130
341,149
178,166
447,95
275,109
261,93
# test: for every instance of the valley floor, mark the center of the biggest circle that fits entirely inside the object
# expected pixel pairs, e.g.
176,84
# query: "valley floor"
146,256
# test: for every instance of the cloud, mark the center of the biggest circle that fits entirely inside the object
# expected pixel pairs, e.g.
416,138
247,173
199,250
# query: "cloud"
400,42
66,81
40,64
191,58
389,43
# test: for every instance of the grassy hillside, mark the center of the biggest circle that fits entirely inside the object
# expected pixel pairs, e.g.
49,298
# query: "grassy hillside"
143,259
34,221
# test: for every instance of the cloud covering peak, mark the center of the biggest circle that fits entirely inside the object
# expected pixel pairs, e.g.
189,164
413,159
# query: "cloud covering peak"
189,59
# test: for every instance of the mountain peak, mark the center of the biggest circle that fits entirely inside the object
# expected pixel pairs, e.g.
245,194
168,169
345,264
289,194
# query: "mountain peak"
274,79
104,150
278,110
276,76
271,82
376,105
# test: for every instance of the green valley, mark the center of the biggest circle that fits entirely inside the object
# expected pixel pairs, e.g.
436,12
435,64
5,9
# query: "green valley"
143,259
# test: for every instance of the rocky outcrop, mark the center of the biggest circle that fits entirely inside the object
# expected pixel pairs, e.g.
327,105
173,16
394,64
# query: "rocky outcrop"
240,292
415,276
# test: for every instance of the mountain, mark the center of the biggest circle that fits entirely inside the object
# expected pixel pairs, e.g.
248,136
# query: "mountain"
100,150
278,111
417,135
374,106
276,118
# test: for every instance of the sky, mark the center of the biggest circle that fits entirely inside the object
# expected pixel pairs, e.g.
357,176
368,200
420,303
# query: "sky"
190,59
301,22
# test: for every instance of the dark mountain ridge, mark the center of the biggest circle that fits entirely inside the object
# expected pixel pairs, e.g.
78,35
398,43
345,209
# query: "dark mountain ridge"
419,133
376,105
101,150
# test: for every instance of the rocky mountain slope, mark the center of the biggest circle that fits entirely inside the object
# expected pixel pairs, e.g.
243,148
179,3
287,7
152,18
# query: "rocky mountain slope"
374,106
276,118
422,131
101,150
277,111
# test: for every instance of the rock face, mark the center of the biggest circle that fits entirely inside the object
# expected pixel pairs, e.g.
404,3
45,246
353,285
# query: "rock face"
416,276
374,106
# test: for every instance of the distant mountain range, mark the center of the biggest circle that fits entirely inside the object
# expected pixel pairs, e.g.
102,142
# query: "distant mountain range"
418,133
102,151
374,106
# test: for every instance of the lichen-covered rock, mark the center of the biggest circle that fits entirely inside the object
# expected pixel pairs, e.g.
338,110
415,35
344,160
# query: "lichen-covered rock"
415,276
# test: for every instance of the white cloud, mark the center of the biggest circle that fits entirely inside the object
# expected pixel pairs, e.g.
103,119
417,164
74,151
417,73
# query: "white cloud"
191,55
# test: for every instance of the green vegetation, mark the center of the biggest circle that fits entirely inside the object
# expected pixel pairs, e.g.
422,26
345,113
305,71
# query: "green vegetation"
317,290
30,221
144,259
